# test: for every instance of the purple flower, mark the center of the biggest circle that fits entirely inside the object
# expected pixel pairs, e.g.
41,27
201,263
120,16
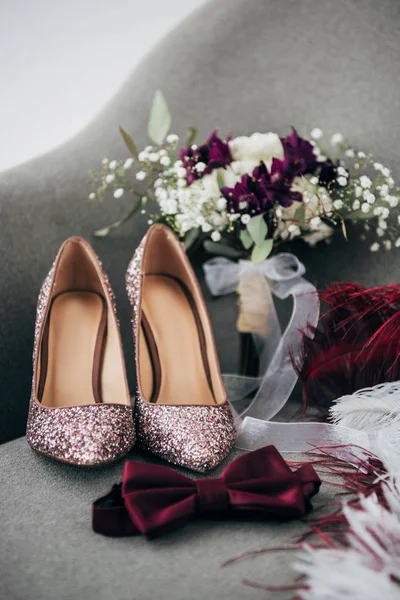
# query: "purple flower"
259,192
214,154
299,157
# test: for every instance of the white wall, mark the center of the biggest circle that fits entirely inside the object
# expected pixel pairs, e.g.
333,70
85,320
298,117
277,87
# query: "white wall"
62,60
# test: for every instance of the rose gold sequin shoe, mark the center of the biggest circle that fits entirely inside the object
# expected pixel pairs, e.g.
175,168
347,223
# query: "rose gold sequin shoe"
181,413
80,410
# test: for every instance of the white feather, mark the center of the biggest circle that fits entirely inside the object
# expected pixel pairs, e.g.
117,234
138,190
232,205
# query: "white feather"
376,411
369,409
369,566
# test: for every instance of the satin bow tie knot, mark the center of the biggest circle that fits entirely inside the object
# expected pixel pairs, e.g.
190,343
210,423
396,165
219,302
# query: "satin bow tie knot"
154,500
212,495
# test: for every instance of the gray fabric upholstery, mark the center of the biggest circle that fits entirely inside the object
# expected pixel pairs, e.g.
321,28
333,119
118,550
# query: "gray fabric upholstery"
236,64
243,65
48,551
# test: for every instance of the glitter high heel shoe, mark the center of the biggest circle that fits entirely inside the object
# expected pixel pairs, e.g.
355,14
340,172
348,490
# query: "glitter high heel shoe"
80,410
181,413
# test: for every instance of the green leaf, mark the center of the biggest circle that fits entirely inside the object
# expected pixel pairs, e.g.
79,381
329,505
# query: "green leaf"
262,251
130,143
160,119
191,136
246,239
258,229
221,249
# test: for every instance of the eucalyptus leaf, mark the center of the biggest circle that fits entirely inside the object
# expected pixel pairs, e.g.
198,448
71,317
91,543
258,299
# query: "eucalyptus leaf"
221,249
300,213
160,119
129,143
246,239
262,251
191,237
359,215
191,136
258,229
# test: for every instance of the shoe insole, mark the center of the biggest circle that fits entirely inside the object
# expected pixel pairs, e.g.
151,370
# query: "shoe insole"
173,363
72,349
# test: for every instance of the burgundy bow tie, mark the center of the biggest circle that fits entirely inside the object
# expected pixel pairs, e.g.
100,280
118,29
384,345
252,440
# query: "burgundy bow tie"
154,500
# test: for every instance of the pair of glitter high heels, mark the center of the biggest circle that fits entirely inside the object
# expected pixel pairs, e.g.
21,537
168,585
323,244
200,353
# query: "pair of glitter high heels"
80,409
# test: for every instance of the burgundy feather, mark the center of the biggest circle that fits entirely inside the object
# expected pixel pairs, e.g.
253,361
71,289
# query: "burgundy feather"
356,344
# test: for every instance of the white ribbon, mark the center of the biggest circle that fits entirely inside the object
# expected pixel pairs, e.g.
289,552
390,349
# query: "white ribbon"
282,276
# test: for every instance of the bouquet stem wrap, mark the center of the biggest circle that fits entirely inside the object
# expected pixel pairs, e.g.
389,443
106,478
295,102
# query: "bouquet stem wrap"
257,400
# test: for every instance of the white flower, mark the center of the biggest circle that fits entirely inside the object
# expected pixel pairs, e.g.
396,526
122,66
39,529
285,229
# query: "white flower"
390,182
378,166
143,156
361,154
387,244
278,212
104,161
181,172
215,236
375,247
245,219
110,178
365,181
316,133
113,164
172,138
128,163
206,227
169,206
200,167
140,175
324,232
342,181
397,243
178,163
221,203
338,204
181,183
385,172
342,171
365,207
380,232
165,161
315,222
358,191
356,205
382,224
194,146
384,189
336,139
158,182
243,205
385,212
314,180
154,157
257,147
92,196
349,152
118,193
322,158
393,201
150,222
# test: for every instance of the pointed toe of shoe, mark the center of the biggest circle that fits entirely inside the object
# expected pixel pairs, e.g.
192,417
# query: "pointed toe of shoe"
91,435
195,437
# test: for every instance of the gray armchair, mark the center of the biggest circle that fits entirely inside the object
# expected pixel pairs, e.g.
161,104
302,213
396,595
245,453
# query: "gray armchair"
246,65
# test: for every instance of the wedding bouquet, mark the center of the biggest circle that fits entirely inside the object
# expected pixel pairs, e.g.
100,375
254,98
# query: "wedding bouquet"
246,196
